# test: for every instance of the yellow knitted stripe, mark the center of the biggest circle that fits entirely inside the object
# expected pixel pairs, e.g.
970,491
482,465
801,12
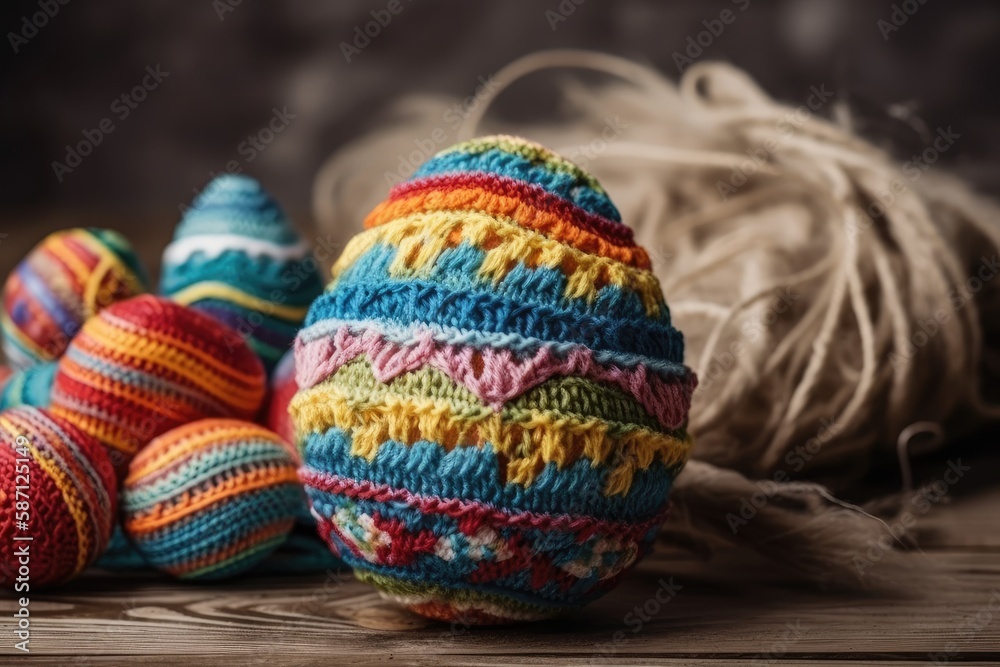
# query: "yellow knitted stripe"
74,503
228,293
527,444
422,237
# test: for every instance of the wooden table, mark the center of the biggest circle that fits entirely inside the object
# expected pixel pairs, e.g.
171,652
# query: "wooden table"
719,616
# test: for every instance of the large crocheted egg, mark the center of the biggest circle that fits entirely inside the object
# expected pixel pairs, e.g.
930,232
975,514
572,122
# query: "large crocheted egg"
68,277
210,499
147,365
237,257
58,499
32,386
492,398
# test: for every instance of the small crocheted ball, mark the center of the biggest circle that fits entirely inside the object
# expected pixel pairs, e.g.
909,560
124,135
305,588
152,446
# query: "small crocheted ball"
210,499
147,365
493,402
237,257
283,389
57,487
68,277
32,386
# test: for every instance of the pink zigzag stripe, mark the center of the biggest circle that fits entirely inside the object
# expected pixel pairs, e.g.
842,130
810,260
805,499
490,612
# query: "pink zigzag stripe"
502,374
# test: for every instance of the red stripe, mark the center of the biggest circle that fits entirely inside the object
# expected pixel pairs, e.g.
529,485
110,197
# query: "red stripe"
534,195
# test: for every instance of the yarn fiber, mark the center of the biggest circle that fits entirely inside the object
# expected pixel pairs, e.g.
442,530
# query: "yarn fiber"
32,386
492,402
283,389
236,256
147,365
67,278
68,498
210,499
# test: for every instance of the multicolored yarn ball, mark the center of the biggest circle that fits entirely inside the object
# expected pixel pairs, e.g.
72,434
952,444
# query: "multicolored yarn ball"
493,401
57,489
32,386
68,277
283,389
147,365
210,499
237,257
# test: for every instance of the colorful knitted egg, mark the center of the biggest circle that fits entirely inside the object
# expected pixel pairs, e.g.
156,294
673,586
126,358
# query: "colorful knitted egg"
58,499
32,386
493,402
283,389
237,257
147,365
69,277
210,499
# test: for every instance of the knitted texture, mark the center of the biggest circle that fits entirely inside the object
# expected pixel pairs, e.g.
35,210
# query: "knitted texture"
147,365
210,499
32,386
60,483
493,402
236,256
69,277
283,389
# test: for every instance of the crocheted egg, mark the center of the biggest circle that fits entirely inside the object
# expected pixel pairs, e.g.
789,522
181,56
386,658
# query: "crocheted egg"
283,389
58,499
210,499
237,257
67,278
147,365
32,386
493,402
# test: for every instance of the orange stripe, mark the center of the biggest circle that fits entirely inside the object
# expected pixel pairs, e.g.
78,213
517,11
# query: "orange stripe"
164,514
526,215
180,442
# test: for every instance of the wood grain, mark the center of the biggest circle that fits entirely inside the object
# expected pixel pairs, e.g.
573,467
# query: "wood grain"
719,616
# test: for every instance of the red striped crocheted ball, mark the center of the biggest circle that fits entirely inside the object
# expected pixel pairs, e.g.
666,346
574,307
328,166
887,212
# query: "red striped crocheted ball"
283,388
58,499
147,365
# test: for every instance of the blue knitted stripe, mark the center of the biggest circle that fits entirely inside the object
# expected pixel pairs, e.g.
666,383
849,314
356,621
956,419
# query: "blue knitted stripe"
473,473
233,204
211,530
403,302
496,162
202,468
458,269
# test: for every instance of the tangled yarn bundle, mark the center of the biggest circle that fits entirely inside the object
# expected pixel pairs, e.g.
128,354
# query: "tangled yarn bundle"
236,257
147,365
69,277
210,499
71,501
830,295
32,386
492,399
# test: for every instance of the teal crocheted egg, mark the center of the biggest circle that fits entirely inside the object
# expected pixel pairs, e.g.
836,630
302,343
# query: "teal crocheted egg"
236,256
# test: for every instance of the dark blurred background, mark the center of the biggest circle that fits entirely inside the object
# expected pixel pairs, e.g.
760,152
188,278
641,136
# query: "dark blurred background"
231,63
